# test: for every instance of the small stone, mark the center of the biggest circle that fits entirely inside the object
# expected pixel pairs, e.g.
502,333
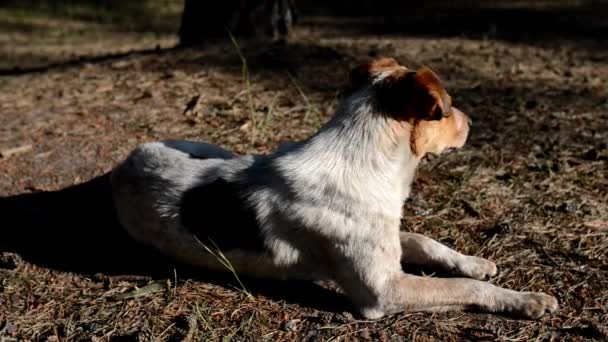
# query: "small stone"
381,336
292,325
8,329
365,335
566,207
313,335
531,104
326,317
592,154
501,228
7,261
345,317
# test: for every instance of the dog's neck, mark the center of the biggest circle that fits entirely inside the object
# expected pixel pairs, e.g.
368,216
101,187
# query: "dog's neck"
359,153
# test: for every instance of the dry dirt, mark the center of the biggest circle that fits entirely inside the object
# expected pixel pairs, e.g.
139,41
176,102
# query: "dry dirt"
529,191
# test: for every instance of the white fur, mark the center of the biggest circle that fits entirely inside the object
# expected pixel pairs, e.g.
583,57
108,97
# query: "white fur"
326,207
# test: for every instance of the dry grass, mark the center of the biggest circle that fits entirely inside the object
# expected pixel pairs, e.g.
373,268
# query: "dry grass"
529,191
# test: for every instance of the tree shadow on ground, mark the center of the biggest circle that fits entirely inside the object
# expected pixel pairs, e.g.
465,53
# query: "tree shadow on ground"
581,25
76,230
519,21
109,57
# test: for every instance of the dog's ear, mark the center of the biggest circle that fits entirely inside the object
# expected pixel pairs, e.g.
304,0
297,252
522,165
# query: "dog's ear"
413,95
402,93
427,98
368,73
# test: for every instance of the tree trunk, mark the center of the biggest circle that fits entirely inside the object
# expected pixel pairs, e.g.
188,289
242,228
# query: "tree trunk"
204,20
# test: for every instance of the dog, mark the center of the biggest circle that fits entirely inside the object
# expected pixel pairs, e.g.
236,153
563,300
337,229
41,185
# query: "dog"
327,207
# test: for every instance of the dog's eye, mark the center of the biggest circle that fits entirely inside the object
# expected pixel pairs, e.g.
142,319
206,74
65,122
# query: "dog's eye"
448,113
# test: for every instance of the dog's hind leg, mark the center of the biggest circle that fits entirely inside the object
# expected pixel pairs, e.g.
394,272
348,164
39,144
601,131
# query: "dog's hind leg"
420,250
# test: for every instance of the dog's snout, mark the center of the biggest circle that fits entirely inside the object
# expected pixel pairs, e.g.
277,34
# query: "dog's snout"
462,120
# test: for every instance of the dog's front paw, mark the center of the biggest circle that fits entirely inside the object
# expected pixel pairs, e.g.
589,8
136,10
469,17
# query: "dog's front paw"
476,268
532,305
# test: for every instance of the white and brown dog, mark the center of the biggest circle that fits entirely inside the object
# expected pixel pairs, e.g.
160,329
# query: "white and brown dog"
328,207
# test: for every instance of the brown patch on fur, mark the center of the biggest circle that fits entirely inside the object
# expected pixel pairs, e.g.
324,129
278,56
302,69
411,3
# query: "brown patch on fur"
417,101
365,74
437,135
428,98
402,93
414,96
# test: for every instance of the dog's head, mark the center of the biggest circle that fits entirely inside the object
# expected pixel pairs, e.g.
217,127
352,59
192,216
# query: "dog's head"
417,102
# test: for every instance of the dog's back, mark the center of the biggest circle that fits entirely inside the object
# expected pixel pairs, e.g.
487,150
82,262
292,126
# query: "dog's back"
167,190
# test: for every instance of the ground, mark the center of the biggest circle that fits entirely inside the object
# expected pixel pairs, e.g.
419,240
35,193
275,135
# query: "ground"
529,191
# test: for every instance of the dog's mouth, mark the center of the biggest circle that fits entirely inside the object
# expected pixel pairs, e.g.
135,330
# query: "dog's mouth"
449,150
432,156
429,157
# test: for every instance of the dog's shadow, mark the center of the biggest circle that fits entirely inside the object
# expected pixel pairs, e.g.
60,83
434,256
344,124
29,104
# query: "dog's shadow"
76,230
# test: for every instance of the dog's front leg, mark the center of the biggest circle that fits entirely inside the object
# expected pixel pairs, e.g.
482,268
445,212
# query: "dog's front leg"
420,250
413,293
369,270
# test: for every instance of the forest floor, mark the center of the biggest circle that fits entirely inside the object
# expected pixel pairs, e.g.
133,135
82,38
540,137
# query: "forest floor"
529,190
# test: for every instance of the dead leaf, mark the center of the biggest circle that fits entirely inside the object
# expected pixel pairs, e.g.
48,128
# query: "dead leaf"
597,224
105,88
244,127
191,104
15,150
151,288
